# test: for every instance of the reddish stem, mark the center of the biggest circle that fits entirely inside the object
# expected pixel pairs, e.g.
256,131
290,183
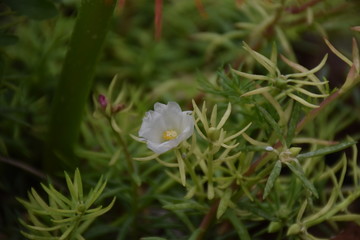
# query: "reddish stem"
121,4
158,18
303,7
239,3
208,218
313,113
200,8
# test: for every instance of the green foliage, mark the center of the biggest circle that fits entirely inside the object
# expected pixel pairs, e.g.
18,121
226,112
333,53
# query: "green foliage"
7,39
63,217
35,9
275,172
274,150
298,171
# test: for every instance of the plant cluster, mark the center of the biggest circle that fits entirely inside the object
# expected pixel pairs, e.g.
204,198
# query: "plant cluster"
63,218
259,143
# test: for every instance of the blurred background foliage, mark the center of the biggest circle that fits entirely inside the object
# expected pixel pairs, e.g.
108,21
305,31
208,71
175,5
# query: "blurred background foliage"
34,37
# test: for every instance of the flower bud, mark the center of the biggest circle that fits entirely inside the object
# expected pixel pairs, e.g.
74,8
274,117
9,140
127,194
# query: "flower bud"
294,229
81,208
102,101
294,151
274,227
213,134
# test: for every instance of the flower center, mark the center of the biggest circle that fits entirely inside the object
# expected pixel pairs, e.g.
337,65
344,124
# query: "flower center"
169,135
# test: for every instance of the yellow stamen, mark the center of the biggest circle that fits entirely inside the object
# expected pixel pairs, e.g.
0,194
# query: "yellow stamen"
169,135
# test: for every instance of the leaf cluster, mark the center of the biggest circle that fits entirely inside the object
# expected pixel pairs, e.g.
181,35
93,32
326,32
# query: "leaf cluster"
62,217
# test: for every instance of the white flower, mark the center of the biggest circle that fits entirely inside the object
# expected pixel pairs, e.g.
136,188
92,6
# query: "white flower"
166,127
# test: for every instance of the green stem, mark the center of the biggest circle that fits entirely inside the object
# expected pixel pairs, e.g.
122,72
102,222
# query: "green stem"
193,175
210,159
129,161
76,82
133,173
335,209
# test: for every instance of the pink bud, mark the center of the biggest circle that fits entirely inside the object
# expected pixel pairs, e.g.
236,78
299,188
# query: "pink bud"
102,101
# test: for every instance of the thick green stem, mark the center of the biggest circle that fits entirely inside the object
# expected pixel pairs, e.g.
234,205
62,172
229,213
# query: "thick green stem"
76,82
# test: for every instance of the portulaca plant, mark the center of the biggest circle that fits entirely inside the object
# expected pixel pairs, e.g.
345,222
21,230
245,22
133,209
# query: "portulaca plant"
257,154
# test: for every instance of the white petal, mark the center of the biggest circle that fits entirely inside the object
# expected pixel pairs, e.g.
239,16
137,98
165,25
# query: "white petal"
163,147
173,106
172,120
187,120
152,127
159,107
